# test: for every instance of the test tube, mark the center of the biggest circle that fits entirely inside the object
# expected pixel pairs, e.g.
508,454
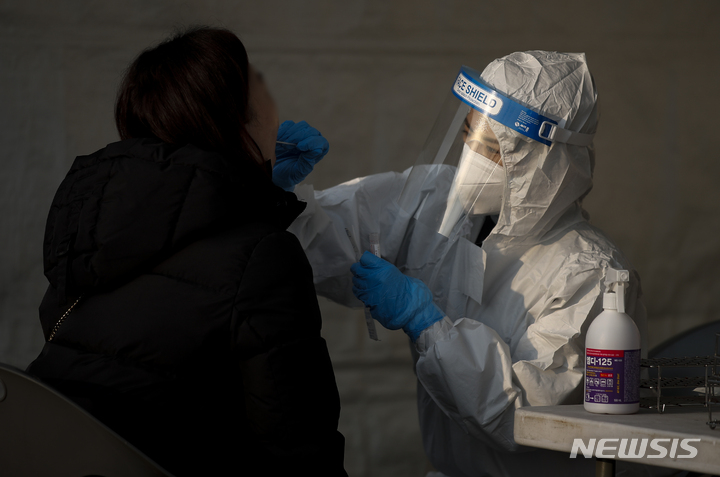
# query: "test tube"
372,331
375,244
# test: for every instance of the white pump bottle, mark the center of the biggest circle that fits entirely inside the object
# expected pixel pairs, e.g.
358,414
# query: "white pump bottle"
612,353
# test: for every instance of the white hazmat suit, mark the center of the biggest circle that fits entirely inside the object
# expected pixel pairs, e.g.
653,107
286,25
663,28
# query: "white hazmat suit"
517,307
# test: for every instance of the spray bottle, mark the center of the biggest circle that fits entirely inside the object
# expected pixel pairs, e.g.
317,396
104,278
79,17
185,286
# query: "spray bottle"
612,353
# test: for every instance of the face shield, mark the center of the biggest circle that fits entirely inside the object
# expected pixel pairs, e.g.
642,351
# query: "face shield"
463,157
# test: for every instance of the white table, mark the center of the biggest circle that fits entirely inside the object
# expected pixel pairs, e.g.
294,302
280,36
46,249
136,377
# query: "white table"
556,428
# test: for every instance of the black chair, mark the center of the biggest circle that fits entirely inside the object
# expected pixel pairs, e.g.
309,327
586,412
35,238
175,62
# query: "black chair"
698,341
42,433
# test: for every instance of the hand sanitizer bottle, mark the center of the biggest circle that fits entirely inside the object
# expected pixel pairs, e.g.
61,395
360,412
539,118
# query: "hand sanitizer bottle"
612,353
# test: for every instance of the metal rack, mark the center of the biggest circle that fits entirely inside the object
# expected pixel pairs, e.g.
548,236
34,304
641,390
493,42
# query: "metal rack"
684,387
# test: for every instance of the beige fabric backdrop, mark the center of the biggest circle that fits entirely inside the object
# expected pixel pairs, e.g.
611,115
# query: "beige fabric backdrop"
371,74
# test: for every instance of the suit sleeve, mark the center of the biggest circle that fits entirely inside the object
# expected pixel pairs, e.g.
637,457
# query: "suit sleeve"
291,397
362,206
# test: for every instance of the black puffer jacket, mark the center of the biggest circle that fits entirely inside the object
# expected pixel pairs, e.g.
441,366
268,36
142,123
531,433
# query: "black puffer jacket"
197,336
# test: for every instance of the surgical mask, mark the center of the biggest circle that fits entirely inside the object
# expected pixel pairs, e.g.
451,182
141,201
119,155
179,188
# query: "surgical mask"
485,178
476,190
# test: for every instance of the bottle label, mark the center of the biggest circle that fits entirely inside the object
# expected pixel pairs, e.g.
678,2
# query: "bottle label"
612,376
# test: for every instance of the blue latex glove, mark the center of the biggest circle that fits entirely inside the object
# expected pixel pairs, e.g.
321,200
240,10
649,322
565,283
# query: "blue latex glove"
294,163
395,300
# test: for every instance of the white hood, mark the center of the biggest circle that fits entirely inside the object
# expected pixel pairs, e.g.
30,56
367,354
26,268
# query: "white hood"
544,183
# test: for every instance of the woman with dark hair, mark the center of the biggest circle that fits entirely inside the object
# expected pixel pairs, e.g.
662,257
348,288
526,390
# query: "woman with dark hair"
180,312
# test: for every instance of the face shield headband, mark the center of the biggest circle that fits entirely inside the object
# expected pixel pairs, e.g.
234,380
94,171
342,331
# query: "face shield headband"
470,89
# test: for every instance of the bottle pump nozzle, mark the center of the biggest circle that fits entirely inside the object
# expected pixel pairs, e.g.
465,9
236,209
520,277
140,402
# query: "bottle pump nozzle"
615,282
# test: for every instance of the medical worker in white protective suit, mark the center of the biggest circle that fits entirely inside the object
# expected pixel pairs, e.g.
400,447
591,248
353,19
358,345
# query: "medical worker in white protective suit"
488,260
